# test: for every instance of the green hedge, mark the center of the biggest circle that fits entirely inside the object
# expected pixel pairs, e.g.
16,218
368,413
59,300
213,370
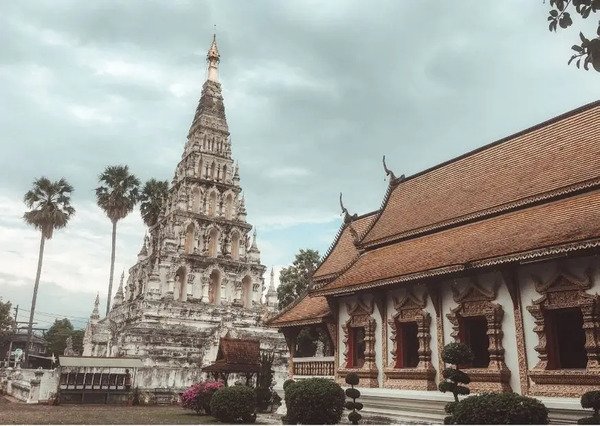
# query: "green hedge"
591,400
497,408
314,401
234,404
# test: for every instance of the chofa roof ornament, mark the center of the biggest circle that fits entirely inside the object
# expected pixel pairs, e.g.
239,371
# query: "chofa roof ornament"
393,179
347,216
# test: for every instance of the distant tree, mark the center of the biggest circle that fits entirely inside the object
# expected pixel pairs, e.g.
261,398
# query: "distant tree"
57,335
77,336
117,196
50,204
589,49
295,279
152,200
7,323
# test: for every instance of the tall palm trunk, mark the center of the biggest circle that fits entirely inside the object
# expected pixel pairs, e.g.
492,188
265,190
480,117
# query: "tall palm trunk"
112,265
33,299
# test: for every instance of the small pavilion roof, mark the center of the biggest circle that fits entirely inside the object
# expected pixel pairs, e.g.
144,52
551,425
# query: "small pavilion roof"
236,356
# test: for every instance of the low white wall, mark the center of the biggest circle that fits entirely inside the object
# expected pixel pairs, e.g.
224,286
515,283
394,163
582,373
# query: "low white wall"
29,385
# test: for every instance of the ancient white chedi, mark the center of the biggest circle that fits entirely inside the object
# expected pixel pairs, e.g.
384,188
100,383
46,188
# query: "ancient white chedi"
199,274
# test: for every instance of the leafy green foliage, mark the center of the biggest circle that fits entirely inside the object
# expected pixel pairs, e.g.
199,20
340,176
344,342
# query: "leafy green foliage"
294,279
152,200
457,354
314,401
591,400
354,417
7,323
57,336
234,404
50,204
497,408
118,193
287,383
264,385
589,49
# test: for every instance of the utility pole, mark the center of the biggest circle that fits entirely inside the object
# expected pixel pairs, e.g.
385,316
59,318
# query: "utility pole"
12,338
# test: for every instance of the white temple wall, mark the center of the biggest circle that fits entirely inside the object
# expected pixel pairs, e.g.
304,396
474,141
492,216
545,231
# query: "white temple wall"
509,339
448,303
343,317
378,315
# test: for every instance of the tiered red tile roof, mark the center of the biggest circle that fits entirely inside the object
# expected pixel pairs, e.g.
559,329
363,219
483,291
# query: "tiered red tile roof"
310,310
343,251
524,196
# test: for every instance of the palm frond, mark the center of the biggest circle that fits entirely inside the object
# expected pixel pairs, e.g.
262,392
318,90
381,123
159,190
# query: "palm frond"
50,204
118,193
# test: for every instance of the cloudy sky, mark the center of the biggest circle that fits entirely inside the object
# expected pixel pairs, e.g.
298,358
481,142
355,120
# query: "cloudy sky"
315,93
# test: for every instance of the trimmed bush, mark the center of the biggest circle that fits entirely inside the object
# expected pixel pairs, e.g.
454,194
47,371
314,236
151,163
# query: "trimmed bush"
287,383
454,379
314,401
497,408
198,396
591,400
354,417
235,404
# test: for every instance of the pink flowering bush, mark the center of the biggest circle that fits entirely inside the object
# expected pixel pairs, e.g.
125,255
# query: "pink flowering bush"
197,397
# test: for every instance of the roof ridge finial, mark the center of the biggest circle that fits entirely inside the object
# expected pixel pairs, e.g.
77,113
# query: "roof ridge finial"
347,216
388,172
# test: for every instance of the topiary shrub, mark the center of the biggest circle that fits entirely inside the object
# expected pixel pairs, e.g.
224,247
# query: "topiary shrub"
591,400
264,382
497,408
198,396
456,353
354,417
235,404
287,383
314,401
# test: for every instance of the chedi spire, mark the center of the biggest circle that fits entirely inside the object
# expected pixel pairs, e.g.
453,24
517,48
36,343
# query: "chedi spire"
213,58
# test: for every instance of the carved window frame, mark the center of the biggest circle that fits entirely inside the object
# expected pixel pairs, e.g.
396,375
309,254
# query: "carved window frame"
566,290
411,308
361,315
474,301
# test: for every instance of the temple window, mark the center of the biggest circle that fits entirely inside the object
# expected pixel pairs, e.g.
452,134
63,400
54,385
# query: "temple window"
224,174
565,339
473,333
357,347
407,345
212,170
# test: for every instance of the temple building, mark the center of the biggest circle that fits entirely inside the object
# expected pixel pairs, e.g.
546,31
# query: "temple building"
498,248
198,276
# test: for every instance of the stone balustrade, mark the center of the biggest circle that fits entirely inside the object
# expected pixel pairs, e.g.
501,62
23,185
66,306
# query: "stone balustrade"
313,366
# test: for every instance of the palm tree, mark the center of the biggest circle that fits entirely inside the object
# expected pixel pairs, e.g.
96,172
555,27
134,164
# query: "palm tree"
50,204
117,197
153,199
